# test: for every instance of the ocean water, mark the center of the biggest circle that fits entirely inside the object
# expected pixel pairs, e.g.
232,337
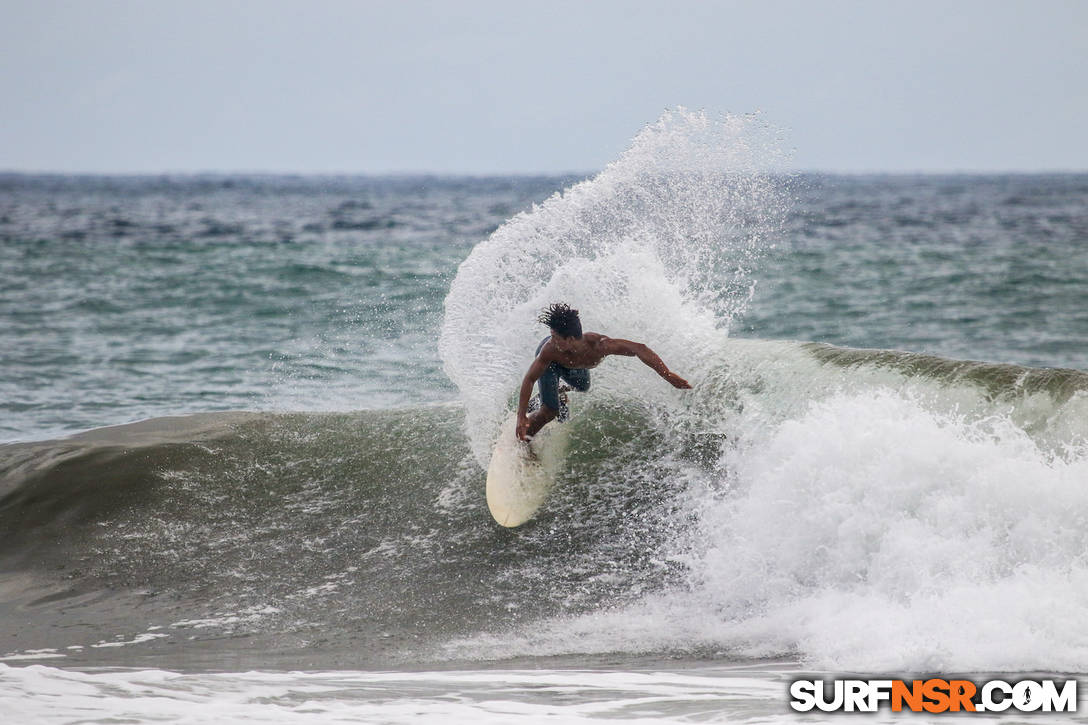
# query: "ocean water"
246,421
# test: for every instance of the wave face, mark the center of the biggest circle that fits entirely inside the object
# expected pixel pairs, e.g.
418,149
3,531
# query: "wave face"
358,538
852,508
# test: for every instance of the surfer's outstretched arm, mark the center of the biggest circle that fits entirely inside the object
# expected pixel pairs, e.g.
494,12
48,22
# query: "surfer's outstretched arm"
614,346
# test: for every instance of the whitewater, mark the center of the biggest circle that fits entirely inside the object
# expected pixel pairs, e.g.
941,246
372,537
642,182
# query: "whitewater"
881,467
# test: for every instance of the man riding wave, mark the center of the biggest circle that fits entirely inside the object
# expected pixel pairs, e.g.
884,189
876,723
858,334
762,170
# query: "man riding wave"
567,355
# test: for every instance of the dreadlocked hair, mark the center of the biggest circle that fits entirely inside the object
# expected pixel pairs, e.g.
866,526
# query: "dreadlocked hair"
562,319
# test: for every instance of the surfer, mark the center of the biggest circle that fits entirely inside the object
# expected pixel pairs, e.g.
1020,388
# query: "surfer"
568,354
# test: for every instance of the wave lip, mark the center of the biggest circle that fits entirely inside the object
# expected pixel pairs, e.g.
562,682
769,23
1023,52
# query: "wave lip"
995,379
48,476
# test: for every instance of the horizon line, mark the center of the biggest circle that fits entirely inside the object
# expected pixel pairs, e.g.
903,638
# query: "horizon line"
522,174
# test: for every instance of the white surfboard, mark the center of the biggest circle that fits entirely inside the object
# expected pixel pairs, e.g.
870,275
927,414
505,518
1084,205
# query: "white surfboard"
521,476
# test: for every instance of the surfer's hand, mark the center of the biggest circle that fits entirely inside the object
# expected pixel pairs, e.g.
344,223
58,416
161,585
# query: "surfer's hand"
678,382
523,428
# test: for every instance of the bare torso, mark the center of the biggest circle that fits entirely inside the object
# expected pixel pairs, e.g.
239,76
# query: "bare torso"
570,353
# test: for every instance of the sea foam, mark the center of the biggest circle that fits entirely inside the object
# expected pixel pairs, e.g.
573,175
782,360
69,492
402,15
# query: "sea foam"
864,510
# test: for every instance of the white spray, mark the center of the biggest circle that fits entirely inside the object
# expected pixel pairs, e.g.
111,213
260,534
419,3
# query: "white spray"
657,247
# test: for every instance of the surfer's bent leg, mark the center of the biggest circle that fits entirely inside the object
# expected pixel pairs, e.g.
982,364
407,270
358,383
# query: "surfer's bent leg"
549,386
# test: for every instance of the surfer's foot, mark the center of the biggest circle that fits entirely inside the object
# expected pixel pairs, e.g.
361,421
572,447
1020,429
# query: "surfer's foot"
528,452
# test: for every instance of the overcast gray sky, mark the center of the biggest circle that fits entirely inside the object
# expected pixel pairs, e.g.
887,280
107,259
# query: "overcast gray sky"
473,86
